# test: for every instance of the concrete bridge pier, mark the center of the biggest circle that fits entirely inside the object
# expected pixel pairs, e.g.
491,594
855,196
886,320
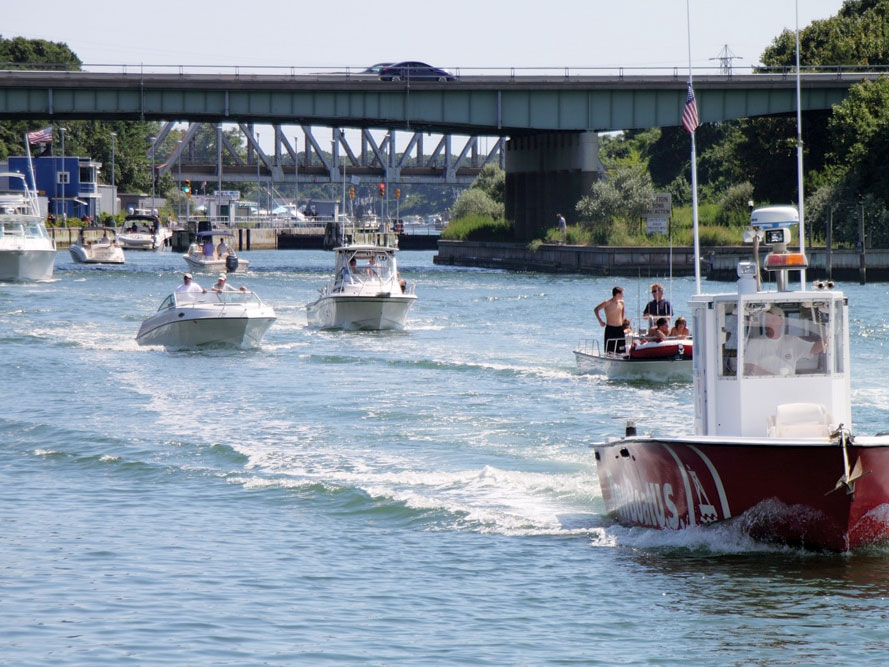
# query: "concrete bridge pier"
547,173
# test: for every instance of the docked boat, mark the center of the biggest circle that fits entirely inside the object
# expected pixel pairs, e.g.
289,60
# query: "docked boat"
104,251
365,291
203,254
142,230
774,449
636,358
191,319
27,253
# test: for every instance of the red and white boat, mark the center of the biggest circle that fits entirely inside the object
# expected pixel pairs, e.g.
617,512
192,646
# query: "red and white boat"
635,358
773,448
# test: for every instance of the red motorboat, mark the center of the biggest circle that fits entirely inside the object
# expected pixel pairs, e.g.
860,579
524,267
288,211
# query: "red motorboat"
773,447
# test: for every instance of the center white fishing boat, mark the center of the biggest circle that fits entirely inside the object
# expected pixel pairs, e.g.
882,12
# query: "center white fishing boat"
773,448
190,319
104,251
27,253
203,254
637,358
142,230
365,291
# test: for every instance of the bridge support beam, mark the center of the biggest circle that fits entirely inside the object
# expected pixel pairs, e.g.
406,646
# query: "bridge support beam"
546,174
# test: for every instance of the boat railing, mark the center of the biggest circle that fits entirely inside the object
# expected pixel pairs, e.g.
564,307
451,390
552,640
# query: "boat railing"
192,299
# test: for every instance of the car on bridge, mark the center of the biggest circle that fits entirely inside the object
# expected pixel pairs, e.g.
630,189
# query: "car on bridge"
413,70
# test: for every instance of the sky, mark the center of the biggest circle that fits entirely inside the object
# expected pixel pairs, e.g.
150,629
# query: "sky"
459,34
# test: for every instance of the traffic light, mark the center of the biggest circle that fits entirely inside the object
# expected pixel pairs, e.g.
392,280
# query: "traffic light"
351,193
382,189
187,188
398,193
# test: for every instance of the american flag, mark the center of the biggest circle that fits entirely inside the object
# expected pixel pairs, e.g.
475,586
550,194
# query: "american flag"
43,136
690,119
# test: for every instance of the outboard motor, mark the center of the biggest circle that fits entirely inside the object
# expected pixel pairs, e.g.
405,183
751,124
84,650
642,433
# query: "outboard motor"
231,262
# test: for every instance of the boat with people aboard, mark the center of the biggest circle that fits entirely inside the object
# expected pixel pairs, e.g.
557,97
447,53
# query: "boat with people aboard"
365,291
27,253
143,230
236,318
774,450
212,252
636,357
105,250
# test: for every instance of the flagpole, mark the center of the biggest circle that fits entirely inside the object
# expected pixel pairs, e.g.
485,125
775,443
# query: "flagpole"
799,157
694,171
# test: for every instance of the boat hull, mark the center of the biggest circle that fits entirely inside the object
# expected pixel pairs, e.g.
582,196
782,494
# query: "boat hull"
27,265
367,313
785,490
617,367
183,327
215,265
97,255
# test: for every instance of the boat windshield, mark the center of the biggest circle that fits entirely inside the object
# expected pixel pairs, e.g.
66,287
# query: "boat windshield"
180,299
780,338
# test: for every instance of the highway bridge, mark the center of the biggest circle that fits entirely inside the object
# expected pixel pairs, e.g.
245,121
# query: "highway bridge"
549,123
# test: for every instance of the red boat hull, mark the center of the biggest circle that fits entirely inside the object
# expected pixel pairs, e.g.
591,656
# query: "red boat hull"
777,491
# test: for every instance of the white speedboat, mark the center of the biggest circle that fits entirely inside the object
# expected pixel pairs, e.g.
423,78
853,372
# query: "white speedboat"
104,251
27,253
365,291
634,358
143,230
203,254
190,319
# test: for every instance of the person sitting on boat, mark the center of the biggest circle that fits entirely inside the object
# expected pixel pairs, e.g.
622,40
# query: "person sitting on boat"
105,237
660,330
777,352
658,306
189,287
371,268
221,285
209,251
680,329
613,322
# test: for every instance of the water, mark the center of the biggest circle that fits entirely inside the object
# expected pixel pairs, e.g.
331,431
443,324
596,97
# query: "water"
418,497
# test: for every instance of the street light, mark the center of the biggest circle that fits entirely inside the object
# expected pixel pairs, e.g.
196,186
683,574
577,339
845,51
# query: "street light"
113,193
258,205
152,140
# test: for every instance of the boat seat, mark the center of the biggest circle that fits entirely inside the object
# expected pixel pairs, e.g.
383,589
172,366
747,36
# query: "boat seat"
799,420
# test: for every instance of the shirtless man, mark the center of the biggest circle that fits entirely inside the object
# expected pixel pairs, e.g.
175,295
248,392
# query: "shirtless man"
614,319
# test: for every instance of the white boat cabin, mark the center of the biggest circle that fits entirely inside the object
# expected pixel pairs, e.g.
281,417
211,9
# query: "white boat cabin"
771,363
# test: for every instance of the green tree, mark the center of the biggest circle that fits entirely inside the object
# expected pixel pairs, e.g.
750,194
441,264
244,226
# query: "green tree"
492,181
476,202
617,202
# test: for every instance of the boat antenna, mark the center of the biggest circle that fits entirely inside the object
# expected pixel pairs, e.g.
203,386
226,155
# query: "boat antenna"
690,122
799,156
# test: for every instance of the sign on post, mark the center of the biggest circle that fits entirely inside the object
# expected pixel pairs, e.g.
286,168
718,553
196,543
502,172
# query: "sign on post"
658,215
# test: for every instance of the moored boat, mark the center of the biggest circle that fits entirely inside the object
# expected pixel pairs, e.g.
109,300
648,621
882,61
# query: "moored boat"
104,251
773,448
191,319
27,253
365,291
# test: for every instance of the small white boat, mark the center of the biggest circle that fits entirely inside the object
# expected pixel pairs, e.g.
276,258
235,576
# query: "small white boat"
634,358
104,251
203,254
27,253
365,292
143,230
190,319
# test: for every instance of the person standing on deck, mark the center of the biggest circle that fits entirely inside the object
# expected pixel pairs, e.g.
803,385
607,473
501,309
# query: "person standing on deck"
614,319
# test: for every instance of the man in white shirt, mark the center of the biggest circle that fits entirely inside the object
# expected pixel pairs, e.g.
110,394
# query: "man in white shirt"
778,352
189,287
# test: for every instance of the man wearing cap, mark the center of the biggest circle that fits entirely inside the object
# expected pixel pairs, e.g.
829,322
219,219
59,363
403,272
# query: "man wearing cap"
221,285
189,286
777,352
